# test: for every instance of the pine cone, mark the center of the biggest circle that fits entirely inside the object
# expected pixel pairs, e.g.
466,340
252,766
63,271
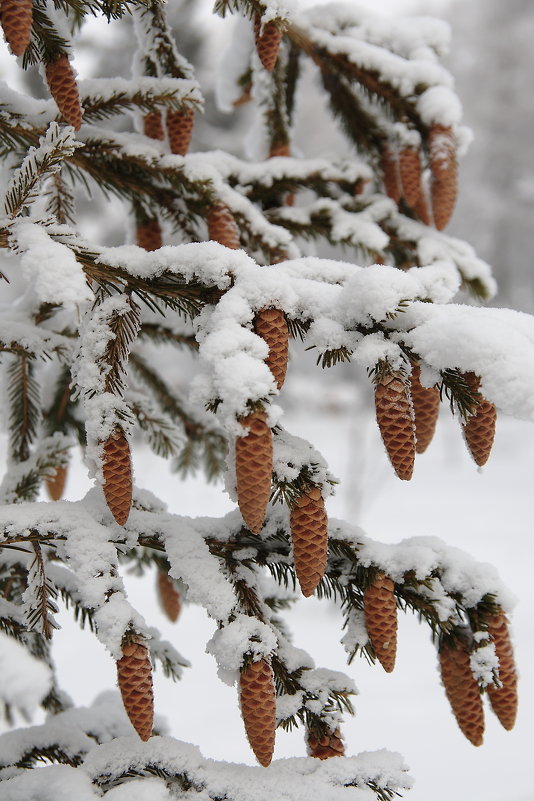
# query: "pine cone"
410,174
153,125
394,415
422,207
222,227
180,129
503,700
309,535
271,326
254,466
462,690
257,697
169,597
329,745
425,402
279,149
479,430
62,84
380,610
267,42
56,483
117,469
389,164
149,235
444,168
134,673
16,18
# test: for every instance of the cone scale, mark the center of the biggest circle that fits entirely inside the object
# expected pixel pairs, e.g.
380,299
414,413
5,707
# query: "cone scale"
503,699
479,429
153,125
444,169
168,596
394,415
380,611
309,536
117,471
426,403
271,326
62,84
222,227
16,18
389,164
257,698
462,690
134,673
180,129
267,38
410,174
254,466
326,746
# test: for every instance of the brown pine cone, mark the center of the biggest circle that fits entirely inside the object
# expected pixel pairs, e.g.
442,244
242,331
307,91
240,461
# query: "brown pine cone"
329,745
169,597
394,415
380,610
389,164
180,129
309,535
117,469
267,42
271,326
62,84
222,227
16,18
422,207
444,168
503,699
462,689
410,174
257,697
148,235
479,430
254,467
56,483
425,402
153,125
134,673
279,149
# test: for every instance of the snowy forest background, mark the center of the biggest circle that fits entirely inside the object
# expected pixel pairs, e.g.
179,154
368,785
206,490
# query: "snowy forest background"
488,514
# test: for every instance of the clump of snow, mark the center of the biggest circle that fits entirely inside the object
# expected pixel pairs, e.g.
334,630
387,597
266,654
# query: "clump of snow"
24,680
484,664
243,636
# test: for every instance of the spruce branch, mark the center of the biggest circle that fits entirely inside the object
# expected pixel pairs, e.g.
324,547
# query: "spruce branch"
39,598
24,405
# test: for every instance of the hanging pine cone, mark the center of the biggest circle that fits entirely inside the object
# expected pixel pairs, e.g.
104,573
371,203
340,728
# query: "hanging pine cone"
56,484
389,164
222,227
410,174
462,689
325,746
153,125
169,597
134,673
309,535
271,326
444,168
117,470
257,697
380,610
62,84
422,207
16,19
479,430
394,415
148,235
425,402
180,129
267,42
254,466
503,699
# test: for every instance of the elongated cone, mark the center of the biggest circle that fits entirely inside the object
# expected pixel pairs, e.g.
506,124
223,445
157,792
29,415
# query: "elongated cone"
444,168
271,326
56,483
422,207
479,430
180,129
462,690
394,415
410,174
153,125
389,164
257,697
503,700
62,84
267,42
169,597
329,745
117,469
134,673
16,18
380,611
254,467
148,235
425,402
222,227
309,535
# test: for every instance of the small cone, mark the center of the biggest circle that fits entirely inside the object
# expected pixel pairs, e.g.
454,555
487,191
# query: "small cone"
380,610
479,430
222,227
148,235
62,84
16,18
425,402
180,129
169,597
257,697
462,690
410,174
283,150
394,415
309,535
267,42
117,470
153,125
444,168
254,467
329,745
56,484
134,673
503,700
389,164
271,326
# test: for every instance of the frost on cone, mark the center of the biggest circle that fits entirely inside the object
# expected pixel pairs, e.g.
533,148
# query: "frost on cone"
462,690
479,430
16,18
309,535
117,470
325,746
222,227
410,174
169,597
254,467
425,402
257,697
153,125
62,84
389,165
134,673
394,415
271,326
444,168
180,129
148,235
380,610
267,42
503,700
56,483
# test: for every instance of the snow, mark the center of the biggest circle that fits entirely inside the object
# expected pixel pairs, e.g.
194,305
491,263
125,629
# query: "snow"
24,680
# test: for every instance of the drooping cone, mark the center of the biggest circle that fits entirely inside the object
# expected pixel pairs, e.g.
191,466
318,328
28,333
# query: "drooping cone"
180,129
479,430
117,470
148,235
254,467
309,535
169,597
425,402
329,745
283,150
271,326
389,164
380,611
444,168
394,415
257,697
222,227
267,42
16,18
134,673
56,483
422,207
503,700
410,174
62,84
462,690
153,125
